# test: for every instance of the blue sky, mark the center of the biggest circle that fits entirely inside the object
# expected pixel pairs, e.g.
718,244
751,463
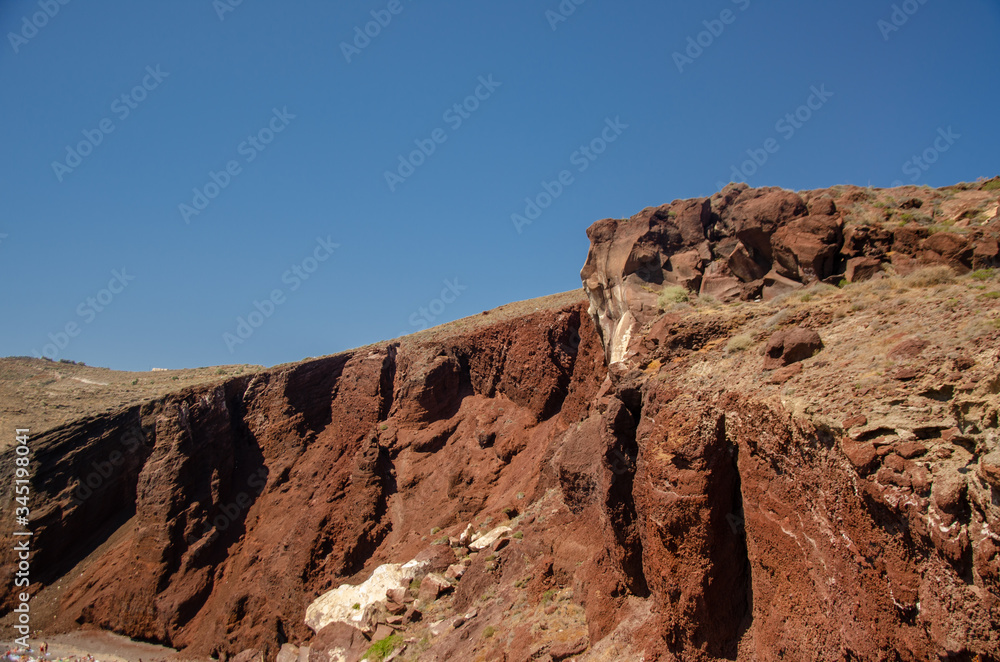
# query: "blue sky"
115,114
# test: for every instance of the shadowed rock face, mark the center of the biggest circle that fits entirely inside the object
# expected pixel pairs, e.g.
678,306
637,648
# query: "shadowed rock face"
687,512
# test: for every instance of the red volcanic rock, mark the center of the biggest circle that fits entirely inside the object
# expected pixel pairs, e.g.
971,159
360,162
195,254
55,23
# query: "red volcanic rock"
805,248
910,348
743,266
432,586
790,346
822,206
989,469
855,421
782,375
685,269
861,268
760,213
774,285
986,253
861,455
564,650
953,249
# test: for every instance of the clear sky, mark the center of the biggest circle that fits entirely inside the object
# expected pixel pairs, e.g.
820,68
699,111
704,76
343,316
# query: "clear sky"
172,167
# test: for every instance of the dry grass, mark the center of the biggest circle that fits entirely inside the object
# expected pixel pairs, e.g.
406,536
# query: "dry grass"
930,277
739,343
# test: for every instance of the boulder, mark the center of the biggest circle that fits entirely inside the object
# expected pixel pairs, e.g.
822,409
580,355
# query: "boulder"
723,288
455,571
985,253
432,586
756,219
775,285
861,269
488,539
288,653
822,206
790,346
742,265
989,469
338,642
685,269
953,249
782,375
397,594
806,248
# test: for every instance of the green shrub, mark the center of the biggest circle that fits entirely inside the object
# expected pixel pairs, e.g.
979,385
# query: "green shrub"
356,605
982,274
489,631
992,185
518,535
670,295
382,648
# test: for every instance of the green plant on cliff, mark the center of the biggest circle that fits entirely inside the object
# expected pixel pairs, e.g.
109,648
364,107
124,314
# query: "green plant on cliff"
982,274
670,295
992,185
382,648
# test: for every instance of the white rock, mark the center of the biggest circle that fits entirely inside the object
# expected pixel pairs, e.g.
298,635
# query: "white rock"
288,653
338,605
466,536
485,541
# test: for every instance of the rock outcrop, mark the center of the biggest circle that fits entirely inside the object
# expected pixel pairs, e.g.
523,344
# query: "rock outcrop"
750,244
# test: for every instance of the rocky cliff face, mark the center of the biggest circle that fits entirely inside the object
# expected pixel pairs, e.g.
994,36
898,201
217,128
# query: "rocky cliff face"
751,244
668,497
